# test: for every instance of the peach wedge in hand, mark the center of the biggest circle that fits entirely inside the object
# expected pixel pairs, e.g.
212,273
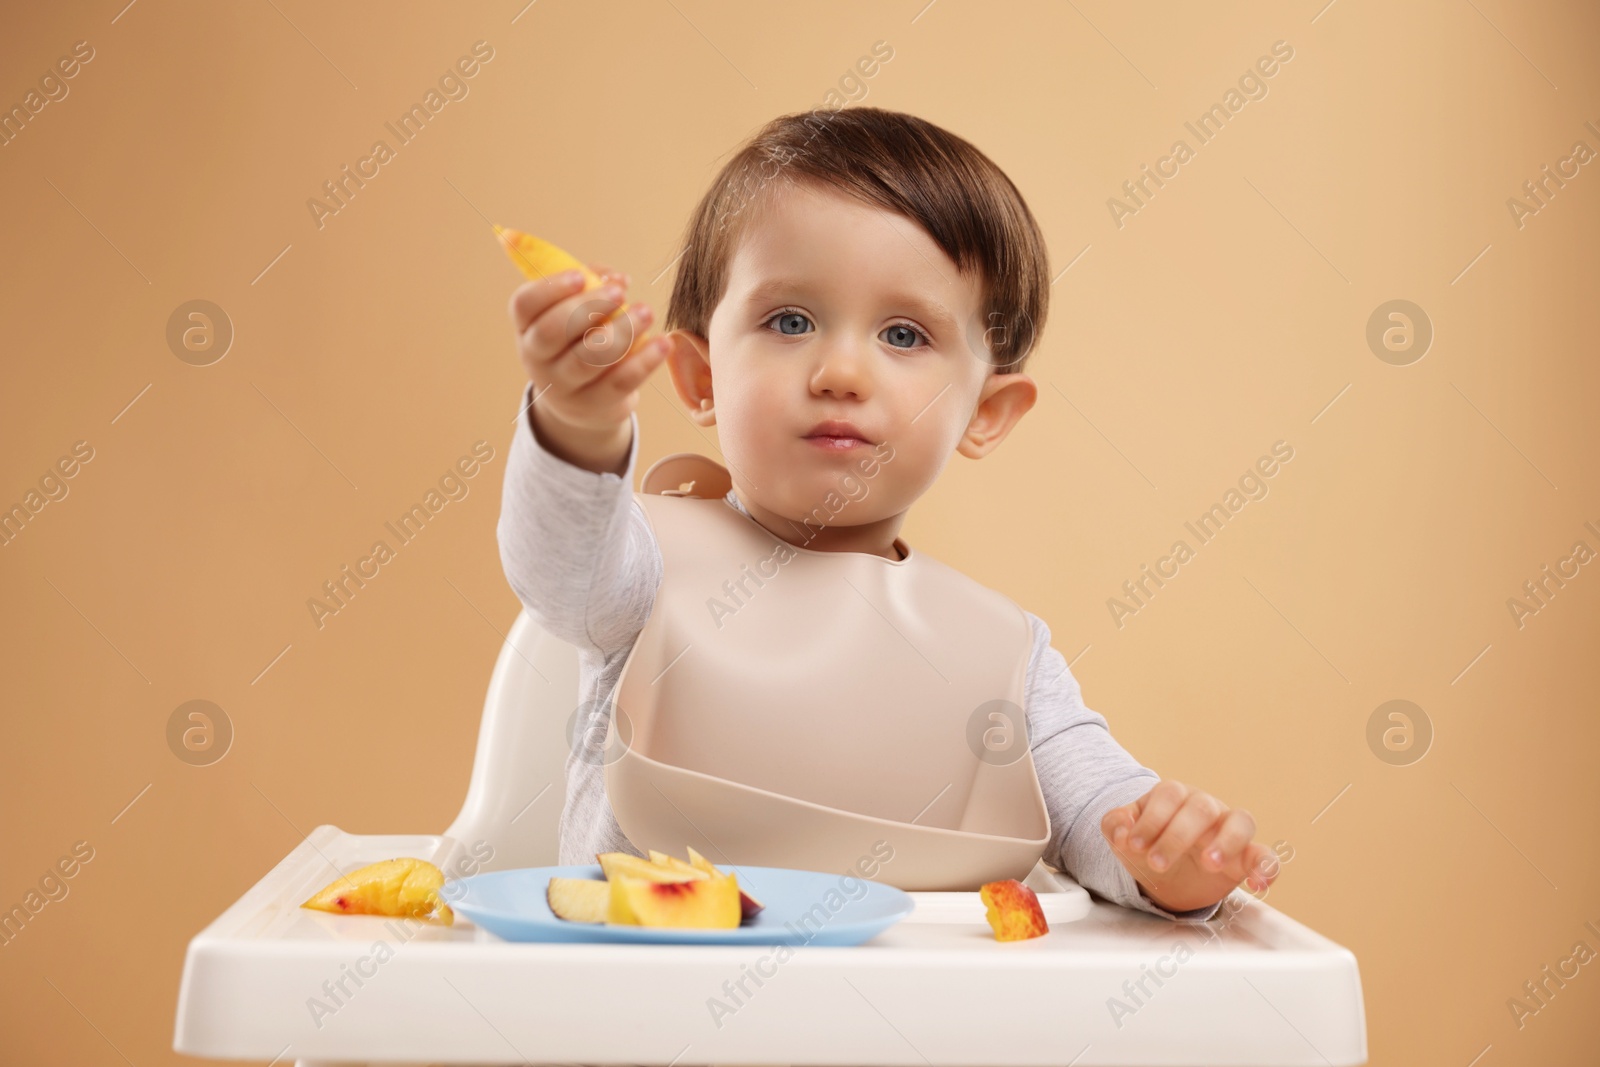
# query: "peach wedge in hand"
404,887
538,258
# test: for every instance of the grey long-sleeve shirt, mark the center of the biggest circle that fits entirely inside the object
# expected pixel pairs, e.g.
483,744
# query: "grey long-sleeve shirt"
581,556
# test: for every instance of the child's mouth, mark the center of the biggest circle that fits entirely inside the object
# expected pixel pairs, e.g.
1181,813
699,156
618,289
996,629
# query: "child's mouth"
836,444
836,435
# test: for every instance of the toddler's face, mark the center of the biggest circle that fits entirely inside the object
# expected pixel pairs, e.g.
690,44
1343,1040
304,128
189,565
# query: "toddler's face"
836,310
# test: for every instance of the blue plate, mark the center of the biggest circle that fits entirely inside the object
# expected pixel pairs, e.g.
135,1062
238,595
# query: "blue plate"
802,908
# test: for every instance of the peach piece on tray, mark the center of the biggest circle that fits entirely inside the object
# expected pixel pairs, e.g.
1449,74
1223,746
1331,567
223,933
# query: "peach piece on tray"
1013,910
403,887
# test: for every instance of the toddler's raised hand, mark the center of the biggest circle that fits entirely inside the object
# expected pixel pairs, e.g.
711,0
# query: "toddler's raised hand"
1186,848
586,371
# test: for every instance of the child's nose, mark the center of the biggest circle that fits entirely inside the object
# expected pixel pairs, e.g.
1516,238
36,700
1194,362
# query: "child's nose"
842,370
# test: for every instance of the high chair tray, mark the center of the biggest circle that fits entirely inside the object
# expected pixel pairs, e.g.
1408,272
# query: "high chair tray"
269,980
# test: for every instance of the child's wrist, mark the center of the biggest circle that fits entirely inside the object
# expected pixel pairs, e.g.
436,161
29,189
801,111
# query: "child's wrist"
1170,904
597,450
1174,903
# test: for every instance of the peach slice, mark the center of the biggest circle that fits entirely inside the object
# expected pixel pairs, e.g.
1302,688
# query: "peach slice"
624,864
748,905
403,887
579,900
660,891
1013,910
695,903
673,863
538,258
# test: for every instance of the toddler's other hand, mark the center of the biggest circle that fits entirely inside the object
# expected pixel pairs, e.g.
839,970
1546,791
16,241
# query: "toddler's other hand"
1187,849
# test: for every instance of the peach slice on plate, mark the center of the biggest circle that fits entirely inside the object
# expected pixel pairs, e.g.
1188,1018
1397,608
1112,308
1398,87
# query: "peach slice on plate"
619,864
673,863
579,900
748,905
703,903
403,887
660,891
1013,910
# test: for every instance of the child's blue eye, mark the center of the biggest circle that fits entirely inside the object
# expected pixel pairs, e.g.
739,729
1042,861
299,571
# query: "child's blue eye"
908,332
895,335
790,317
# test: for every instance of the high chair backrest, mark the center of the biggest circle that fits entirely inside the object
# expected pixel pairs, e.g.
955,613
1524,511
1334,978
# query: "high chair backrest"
518,782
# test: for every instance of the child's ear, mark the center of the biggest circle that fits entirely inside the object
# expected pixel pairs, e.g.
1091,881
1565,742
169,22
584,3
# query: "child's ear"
1004,399
689,363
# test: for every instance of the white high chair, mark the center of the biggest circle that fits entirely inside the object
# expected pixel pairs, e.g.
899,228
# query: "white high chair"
268,980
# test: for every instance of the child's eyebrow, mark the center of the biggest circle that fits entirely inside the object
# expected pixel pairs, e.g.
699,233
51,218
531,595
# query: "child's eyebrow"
937,315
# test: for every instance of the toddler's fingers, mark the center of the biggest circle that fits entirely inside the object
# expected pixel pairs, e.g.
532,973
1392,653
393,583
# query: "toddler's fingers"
1117,823
612,274
1160,805
628,374
602,345
1262,866
567,323
532,299
1224,850
1198,814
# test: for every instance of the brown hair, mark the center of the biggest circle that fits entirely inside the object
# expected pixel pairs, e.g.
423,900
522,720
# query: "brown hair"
900,163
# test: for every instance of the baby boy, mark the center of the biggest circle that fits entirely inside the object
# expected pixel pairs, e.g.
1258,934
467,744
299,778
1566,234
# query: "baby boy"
856,284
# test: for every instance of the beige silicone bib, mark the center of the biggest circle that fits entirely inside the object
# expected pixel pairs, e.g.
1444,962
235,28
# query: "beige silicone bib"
791,707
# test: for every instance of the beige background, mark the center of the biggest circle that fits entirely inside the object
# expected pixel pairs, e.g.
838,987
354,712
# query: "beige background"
1224,316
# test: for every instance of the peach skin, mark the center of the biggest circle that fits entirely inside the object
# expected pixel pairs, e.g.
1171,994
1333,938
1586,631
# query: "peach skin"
1013,910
